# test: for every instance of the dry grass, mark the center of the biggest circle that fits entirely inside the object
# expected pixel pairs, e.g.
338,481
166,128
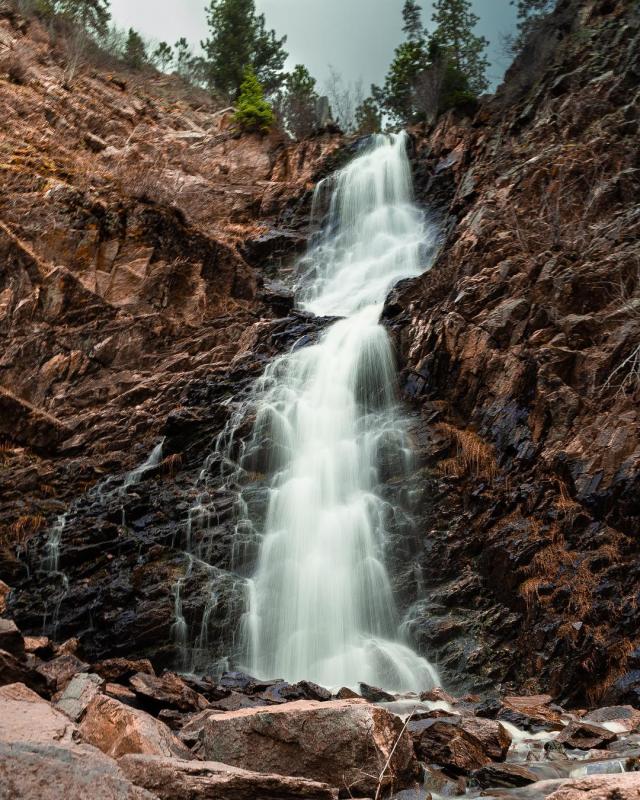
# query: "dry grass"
19,533
170,466
617,657
473,456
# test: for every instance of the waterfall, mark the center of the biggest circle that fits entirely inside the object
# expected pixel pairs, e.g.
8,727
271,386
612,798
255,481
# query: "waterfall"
320,604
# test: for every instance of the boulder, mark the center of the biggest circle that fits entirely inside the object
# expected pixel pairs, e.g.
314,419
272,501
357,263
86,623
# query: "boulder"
38,646
14,671
344,743
508,775
118,730
532,713
26,717
375,695
119,670
585,736
171,779
235,701
169,691
32,771
78,694
600,787
627,718
11,640
59,672
459,744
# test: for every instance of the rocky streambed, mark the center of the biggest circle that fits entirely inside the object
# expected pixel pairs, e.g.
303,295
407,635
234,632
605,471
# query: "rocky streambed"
115,729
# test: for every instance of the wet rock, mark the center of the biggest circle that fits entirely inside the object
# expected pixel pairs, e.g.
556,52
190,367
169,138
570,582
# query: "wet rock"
11,640
438,695
171,779
278,297
118,729
59,671
238,681
375,695
507,775
347,694
342,743
78,694
585,736
459,744
168,691
119,670
627,717
312,691
600,787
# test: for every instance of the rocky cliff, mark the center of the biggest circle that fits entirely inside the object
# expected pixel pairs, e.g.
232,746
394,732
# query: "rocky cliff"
520,353
139,235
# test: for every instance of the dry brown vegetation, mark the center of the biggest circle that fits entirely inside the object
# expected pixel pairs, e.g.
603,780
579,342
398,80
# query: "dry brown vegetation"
473,456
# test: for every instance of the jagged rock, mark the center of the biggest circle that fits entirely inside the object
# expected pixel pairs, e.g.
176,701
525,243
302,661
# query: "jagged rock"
119,670
347,694
11,640
31,771
507,775
14,671
60,670
459,744
78,694
627,717
171,779
600,787
341,742
375,695
585,736
168,691
117,730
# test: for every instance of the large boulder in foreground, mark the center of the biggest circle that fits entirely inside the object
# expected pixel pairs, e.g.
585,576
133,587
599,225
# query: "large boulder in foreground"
118,729
600,787
172,779
344,743
460,744
43,758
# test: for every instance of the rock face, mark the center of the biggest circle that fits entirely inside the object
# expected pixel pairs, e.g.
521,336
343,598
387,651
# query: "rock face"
207,780
520,366
344,743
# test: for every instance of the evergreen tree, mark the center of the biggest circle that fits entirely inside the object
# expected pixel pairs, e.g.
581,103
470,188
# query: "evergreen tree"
412,19
300,102
135,51
253,113
454,23
163,56
239,39
530,15
92,15
368,117
397,95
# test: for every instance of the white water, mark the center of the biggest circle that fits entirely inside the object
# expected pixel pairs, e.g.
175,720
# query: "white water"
320,603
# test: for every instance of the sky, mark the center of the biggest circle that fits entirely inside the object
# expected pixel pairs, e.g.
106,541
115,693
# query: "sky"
356,37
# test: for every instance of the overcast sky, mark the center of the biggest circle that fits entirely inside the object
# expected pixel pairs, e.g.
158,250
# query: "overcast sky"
357,37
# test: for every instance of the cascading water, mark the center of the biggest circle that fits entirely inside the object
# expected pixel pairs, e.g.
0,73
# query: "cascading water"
320,604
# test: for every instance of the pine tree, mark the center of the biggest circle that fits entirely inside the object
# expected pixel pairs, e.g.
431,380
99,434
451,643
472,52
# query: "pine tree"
239,39
135,51
163,56
92,15
397,95
253,113
530,14
368,117
454,24
300,102
412,19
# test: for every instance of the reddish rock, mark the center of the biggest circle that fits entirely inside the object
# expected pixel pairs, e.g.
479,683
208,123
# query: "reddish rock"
507,775
168,691
344,743
459,744
119,670
60,670
117,730
585,736
171,779
600,787
26,717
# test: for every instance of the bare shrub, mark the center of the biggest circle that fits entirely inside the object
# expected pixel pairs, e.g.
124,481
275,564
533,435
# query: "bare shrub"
344,99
